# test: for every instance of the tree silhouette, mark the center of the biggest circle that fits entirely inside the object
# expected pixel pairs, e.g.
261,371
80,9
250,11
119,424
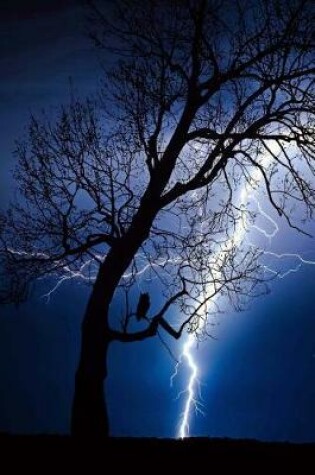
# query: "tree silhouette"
145,181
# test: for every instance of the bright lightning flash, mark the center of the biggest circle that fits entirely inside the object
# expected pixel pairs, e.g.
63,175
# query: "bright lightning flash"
187,356
191,386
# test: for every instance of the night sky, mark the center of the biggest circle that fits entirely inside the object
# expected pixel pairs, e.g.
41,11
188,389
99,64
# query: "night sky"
257,378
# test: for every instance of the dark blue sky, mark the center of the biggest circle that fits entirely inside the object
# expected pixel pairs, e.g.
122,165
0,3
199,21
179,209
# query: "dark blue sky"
258,378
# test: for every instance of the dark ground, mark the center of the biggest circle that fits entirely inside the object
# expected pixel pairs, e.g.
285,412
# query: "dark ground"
51,453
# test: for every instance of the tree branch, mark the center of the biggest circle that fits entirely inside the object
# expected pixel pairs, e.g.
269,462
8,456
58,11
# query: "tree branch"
155,322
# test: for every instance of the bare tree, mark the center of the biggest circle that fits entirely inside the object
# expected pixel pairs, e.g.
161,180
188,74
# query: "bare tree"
146,183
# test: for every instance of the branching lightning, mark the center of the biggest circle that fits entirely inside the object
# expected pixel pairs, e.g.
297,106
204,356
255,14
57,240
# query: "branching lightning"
191,399
191,403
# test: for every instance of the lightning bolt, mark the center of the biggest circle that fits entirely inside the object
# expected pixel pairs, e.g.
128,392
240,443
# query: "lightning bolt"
191,400
191,403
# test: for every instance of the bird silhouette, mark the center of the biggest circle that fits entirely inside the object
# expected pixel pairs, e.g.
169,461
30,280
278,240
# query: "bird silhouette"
143,306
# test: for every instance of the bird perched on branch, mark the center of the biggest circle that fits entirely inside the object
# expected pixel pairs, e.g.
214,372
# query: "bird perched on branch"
143,306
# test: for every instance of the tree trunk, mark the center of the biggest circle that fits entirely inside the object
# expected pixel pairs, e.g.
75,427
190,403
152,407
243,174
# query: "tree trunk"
89,409
89,412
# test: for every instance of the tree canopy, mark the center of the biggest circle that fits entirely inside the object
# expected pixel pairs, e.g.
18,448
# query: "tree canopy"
199,99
